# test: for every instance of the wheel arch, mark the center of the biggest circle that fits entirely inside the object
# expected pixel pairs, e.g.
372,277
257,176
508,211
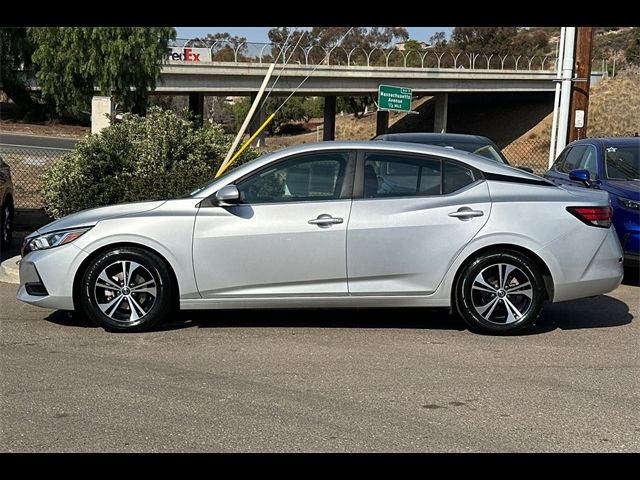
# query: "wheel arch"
85,263
8,198
531,255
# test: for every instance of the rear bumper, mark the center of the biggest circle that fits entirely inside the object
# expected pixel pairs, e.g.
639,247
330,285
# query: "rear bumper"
588,277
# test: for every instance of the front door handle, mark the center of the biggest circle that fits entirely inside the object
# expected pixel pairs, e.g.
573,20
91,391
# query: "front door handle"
465,213
325,220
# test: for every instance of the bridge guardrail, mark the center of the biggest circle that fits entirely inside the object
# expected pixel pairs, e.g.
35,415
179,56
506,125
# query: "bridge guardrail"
254,52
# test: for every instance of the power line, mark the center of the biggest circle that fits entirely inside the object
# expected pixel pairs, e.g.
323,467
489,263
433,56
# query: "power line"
314,69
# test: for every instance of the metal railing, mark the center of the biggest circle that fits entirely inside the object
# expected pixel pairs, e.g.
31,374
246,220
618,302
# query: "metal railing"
253,52
436,57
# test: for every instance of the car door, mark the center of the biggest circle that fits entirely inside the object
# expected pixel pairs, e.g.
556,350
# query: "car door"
287,235
568,160
411,216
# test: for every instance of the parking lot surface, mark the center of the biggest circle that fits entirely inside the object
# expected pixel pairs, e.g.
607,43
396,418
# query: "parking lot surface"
331,381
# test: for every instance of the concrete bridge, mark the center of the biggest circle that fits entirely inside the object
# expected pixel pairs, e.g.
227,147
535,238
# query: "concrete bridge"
330,81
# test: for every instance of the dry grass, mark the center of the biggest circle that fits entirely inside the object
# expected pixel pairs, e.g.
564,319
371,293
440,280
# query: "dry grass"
614,110
614,106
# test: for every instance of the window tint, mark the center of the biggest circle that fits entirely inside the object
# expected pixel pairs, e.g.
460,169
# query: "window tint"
394,175
622,162
456,177
557,165
311,177
588,162
573,158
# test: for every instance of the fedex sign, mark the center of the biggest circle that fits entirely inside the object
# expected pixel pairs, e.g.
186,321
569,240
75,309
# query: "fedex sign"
189,54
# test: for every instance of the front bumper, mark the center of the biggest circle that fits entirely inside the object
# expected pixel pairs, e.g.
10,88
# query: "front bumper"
46,276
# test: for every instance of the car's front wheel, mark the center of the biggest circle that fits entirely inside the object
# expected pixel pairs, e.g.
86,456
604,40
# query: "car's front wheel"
500,292
126,289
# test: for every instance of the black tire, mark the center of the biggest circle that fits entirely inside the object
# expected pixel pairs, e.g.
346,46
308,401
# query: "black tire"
144,309
6,224
487,306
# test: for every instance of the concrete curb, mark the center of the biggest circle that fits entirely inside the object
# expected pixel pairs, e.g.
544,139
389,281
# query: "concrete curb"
9,271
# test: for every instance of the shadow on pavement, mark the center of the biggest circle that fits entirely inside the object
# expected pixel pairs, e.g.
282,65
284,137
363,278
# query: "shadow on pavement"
416,318
599,312
69,319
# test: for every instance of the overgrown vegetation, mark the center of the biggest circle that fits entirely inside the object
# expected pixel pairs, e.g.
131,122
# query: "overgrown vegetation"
158,156
72,61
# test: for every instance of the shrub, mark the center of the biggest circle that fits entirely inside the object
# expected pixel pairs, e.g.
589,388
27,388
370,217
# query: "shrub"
155,157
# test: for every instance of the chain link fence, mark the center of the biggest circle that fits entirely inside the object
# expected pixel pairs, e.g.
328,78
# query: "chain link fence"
531,152
27,166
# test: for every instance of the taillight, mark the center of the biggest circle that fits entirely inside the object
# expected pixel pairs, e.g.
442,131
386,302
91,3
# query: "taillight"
594,216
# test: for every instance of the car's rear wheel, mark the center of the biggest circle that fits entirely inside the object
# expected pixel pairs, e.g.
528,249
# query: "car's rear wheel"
500,292
6,224
126,289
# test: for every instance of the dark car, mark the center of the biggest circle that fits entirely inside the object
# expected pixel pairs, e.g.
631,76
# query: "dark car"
613,165
475,144
6,205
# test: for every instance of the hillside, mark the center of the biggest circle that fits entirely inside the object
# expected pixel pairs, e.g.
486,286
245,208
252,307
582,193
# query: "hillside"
614,110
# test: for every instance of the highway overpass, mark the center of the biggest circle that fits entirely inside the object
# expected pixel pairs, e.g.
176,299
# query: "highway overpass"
229,78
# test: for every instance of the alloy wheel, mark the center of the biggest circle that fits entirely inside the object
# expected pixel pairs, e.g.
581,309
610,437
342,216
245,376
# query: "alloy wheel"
125,291
502,294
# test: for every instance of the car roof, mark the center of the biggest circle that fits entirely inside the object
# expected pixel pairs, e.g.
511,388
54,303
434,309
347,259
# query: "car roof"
432,137
608,141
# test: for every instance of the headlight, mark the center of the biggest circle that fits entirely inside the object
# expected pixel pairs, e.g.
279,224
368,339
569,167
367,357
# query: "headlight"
53,239
627,202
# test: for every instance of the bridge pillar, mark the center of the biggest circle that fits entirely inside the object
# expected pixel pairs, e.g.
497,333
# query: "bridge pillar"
196,106
101,111
442,107
329,128
382,122
258,119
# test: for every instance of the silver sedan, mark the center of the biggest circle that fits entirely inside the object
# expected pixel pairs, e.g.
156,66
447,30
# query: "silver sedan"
336,224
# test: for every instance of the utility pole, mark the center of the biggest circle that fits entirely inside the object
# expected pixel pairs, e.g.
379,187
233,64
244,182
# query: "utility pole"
580,88
565,89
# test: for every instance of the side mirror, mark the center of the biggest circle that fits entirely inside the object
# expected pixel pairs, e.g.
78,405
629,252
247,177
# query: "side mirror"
580,176
525,169
227,194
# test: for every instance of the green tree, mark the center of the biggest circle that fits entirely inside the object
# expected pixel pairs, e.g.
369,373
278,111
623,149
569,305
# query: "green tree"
15,60
412,45
438,39
223,45
484,39
158,156
501,40
354,105
121,61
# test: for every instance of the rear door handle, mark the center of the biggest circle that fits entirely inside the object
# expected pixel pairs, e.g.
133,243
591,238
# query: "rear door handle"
325,220
465,213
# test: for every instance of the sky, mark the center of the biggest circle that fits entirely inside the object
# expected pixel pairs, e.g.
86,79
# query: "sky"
259,34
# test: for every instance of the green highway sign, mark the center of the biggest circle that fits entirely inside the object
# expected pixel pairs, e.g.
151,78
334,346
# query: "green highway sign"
394,98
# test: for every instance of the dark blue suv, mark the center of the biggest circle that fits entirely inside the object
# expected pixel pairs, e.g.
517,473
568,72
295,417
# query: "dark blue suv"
613,165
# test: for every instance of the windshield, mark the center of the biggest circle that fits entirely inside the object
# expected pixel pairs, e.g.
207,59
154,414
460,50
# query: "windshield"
486,151
231,169
622,162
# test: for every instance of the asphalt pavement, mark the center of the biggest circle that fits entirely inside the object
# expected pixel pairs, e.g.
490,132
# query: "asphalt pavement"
332,381
12,140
